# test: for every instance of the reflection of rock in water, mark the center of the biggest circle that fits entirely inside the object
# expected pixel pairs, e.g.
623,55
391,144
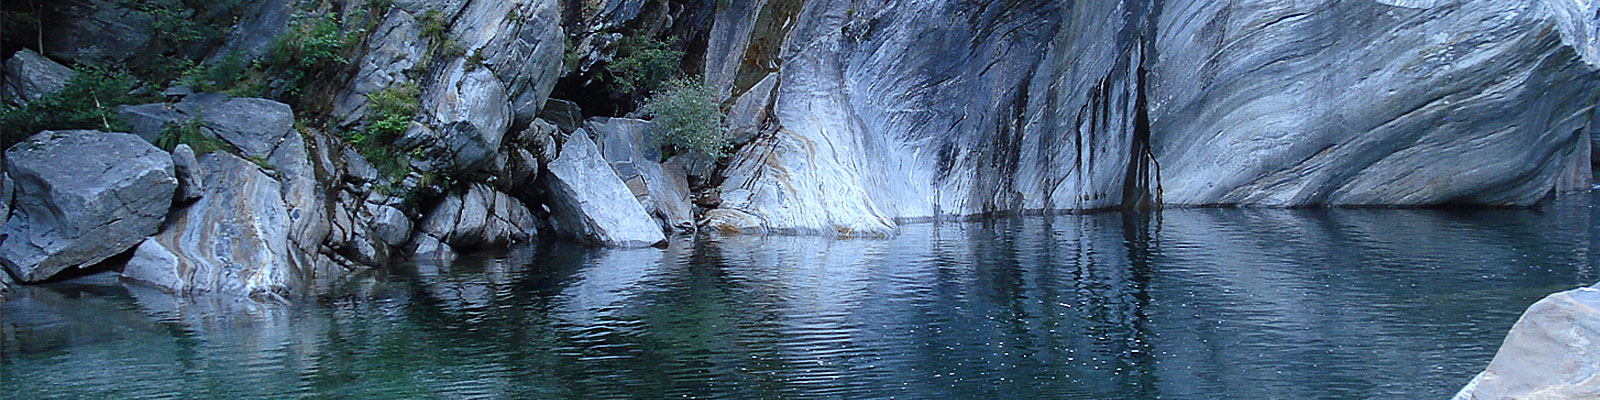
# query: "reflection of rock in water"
471,284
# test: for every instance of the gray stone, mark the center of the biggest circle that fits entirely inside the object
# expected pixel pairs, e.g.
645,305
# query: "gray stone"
471,112
1549,354
29,76
389,224
564,114
8,191
153,264
356,168
396,47
254,126
81,197
191,184
235,240
479,218
589,202
99,32
148,120
662,189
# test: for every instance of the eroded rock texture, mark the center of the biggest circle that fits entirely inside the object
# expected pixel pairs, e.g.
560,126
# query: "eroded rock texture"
889,111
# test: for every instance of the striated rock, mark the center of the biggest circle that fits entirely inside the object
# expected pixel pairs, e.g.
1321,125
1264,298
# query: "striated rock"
29,76
472,112
479,218
589,202
396,46
1549,354
663,189
81,197
191,184
902,113
234,241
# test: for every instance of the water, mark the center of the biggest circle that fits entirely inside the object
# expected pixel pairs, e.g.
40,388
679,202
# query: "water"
1196,303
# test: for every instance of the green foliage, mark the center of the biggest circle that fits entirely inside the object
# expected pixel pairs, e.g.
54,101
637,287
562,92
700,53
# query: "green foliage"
313,46
189,133
223,76
88,102
643,63
436,28
688,119
389,114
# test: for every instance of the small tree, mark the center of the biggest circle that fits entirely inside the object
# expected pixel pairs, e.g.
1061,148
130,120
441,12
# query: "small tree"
688,119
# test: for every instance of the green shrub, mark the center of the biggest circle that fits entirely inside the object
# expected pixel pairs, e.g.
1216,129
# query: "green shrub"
688,119
89,101
642,64
389,114
436,28
311,47
189,133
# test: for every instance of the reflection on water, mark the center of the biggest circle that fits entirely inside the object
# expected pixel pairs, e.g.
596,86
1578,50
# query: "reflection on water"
1192,303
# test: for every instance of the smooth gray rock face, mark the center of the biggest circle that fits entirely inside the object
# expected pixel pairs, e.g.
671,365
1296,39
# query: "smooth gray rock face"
254,126
234,241
191,184
1364,103
153,264
902,113
589,202
1549,354
472,112
479,218
29,76
662,189
81,197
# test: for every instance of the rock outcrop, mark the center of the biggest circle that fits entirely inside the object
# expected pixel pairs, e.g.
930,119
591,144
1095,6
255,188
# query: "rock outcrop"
81,197
590,203
663,189
894,111
29,76
233,241
479,218
1549,354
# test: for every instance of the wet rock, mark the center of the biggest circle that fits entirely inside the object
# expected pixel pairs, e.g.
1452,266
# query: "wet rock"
234,241
82,197
479,218
1549,354
589,202
29,76
191,184
663,189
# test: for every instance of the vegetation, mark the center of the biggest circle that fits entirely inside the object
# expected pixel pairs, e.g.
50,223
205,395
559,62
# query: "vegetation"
189,133
314,46
643,63
436,28
88,102
389,114
688,119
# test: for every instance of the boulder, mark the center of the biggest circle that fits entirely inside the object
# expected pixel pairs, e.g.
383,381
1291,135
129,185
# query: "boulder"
389,224
1550,353
81,197
29,76
479,218
148,120
155,265
564,114
234,241
589,202
254,126
471,112
191,184
663,189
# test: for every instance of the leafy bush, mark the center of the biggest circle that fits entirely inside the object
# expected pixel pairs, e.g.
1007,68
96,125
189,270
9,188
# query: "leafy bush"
189,133
313,46
643,63
89,101
688,119
389,114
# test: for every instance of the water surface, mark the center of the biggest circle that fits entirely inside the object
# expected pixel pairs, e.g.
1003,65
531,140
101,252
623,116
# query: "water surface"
1188,303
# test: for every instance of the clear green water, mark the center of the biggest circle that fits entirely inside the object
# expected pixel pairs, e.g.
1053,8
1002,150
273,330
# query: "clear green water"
1196,303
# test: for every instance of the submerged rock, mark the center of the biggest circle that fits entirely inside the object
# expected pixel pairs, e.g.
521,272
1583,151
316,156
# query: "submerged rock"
29,76
1549,354
82,197
589,202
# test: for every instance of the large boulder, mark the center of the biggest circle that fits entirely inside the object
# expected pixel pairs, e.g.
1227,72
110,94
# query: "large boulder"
29,76
234,241
255,126
589,202
1551,353
82,197
663,189
479,218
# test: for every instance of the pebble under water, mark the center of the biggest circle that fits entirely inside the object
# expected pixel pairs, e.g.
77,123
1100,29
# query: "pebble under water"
1183,304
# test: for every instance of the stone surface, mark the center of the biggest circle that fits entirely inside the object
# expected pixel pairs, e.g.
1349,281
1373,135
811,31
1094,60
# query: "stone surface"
479,218
1549,354
389,224
589,202
98,32
234,241
29,76
81,197
471,112
663,189
148,120
255,126
191,184
154,265
904,114
564,114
